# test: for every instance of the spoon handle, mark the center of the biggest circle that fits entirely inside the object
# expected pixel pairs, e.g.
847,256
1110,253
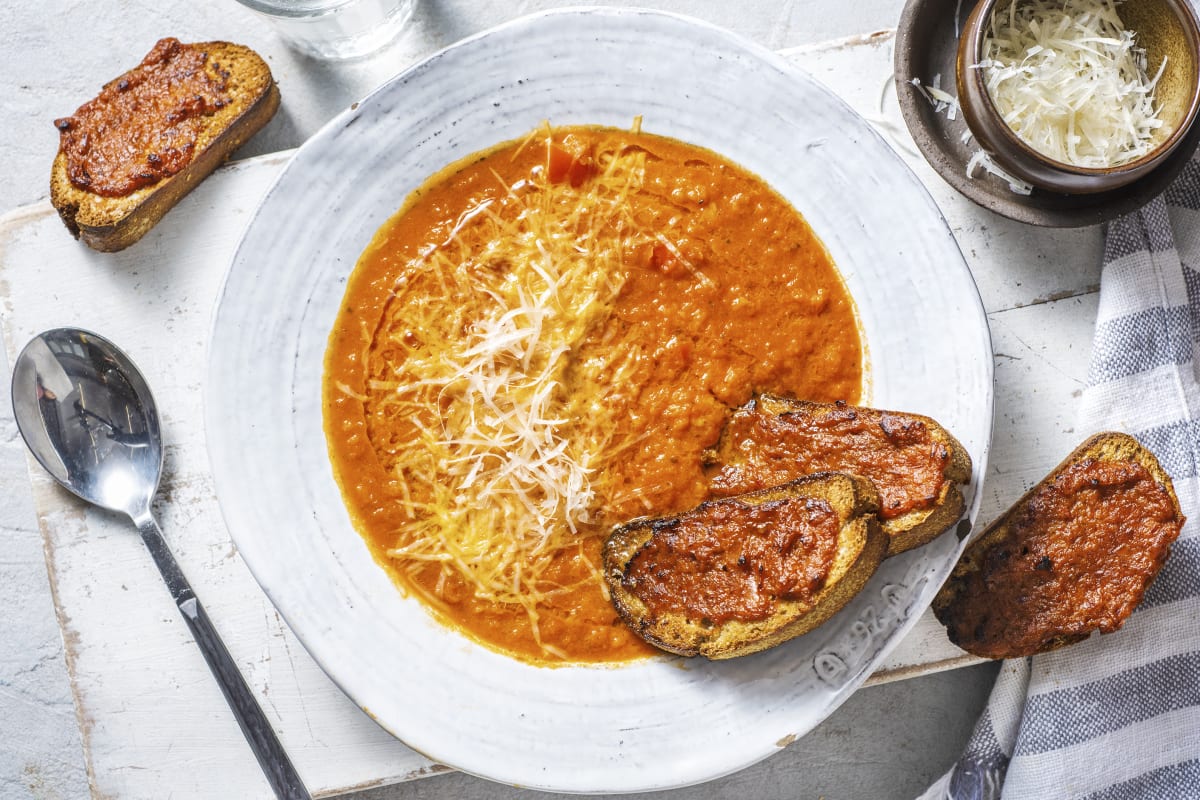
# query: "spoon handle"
280,773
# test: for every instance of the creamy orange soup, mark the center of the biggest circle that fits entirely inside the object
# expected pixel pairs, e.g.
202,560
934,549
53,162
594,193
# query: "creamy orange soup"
540,344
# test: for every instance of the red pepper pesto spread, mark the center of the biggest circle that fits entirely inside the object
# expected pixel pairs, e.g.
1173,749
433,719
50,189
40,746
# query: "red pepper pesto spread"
731,561
760,449
724,291
143,126
1082,552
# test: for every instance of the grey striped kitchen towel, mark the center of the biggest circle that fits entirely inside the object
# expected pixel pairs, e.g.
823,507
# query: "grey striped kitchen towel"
1118,716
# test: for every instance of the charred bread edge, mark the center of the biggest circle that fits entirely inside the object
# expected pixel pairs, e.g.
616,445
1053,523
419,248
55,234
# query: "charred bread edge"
920,526
860,534
1106,446
144,212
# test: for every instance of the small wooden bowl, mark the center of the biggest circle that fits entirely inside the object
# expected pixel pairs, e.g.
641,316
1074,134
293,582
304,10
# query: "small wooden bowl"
1164,28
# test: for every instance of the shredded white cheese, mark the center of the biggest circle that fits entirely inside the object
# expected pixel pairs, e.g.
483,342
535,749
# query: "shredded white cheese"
981,159
1070,80
511,430
943,101
939,98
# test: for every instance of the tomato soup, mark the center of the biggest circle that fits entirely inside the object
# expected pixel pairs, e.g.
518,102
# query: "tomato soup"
540,345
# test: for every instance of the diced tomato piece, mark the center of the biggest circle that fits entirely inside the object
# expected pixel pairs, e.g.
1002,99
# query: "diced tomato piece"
572,162
560,164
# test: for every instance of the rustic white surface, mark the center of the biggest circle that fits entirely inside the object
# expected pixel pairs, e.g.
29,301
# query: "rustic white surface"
166,731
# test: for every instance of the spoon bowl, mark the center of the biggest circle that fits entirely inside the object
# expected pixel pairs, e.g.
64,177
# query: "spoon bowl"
89,418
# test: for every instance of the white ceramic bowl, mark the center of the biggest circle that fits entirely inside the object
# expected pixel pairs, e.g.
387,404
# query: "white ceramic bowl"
657,723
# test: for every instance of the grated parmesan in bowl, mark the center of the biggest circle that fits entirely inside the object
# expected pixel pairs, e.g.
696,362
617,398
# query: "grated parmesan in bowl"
1079,96
1070,79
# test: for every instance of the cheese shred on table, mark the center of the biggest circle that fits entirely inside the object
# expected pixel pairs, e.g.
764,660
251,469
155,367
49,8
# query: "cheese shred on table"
1070,80
512,433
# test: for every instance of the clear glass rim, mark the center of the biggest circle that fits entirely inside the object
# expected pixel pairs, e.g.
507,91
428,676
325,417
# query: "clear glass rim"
294,8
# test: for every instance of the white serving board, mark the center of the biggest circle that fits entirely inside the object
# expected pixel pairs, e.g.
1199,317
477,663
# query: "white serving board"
150,714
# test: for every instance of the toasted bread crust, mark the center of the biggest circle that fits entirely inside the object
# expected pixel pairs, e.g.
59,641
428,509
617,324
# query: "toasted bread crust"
860,549
109,224
964,619
912,528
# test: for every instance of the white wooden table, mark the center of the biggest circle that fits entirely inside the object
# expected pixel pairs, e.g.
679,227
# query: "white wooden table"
151,721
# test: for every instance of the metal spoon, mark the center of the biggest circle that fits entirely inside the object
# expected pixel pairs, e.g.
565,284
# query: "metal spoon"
87,414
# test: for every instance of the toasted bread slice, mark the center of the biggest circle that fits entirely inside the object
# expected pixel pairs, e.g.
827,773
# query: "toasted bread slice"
913,461
109,222
1074,555
741,574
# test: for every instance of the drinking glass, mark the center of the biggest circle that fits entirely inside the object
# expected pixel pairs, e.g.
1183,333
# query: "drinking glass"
336,29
